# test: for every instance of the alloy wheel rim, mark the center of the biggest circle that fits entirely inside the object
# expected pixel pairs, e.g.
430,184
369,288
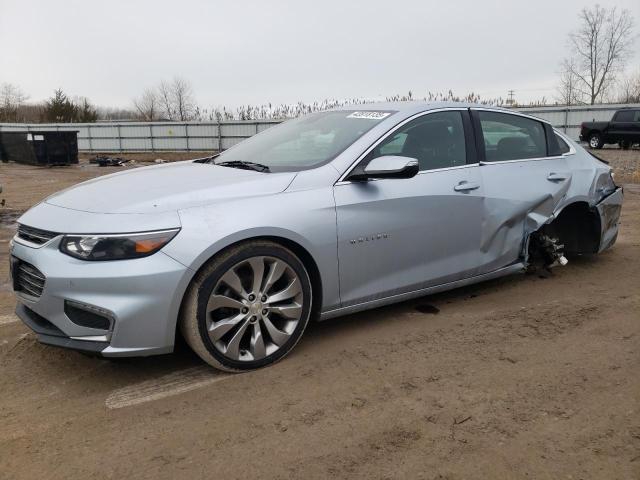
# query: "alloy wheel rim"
594,141
254,308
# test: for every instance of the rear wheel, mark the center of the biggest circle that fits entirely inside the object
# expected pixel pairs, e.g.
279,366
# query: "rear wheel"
595,141
625,145
248,307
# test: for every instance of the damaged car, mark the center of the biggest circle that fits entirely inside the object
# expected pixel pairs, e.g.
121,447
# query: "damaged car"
332,213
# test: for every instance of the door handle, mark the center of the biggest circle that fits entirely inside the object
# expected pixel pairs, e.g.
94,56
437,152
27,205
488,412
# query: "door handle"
465,186
557,177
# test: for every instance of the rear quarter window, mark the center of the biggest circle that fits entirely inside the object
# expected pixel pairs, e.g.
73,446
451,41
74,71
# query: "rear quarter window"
564,146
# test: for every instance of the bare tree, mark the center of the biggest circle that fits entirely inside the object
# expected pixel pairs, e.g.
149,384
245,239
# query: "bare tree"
176,100
629,88
568,92
11,99
600,48
148,105
183,102
166,100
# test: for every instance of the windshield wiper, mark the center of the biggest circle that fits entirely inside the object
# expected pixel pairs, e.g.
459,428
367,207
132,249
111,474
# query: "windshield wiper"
258,167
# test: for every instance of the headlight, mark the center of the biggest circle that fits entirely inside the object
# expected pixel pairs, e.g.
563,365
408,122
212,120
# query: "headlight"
116,247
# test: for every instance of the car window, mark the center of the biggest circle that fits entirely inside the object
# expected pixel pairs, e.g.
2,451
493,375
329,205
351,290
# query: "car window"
511,137
436,140
305,142
564,146
637,118
624,116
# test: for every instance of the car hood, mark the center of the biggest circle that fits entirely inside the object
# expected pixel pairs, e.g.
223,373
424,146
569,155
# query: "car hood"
168,187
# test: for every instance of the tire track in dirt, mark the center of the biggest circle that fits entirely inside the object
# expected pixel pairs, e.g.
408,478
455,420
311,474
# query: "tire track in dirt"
174,383
8,319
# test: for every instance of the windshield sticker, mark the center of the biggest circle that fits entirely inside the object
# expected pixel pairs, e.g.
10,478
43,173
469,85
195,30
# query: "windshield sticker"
369,115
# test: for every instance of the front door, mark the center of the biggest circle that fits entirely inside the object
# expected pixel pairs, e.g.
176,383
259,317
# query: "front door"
401,235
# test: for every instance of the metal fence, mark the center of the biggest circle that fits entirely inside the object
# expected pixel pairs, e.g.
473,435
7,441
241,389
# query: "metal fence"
213,136
568,119
152,136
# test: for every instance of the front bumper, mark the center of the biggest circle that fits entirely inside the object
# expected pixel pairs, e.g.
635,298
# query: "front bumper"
141,297
49,334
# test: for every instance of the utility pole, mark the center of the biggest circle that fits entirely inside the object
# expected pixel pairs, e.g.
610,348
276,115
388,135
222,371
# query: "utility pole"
510,100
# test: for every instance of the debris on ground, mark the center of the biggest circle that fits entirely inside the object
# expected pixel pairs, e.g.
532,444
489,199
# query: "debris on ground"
426,308
105,161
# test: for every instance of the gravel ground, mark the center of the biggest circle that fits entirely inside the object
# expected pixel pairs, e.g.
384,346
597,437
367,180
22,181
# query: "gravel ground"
521,377
625,163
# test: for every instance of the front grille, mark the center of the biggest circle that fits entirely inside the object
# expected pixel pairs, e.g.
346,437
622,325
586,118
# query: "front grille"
35,235
27,278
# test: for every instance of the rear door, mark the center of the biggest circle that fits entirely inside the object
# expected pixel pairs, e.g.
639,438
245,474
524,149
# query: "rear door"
401,235
524,177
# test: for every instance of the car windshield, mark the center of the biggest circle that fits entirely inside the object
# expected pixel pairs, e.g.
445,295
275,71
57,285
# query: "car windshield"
303,143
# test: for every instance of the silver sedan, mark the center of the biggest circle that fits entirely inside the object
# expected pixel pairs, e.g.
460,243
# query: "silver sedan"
328,214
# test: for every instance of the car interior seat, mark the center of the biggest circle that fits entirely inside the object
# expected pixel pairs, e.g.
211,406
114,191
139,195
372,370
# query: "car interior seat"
432,144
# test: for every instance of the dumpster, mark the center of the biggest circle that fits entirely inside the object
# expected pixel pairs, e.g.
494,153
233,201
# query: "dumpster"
39,147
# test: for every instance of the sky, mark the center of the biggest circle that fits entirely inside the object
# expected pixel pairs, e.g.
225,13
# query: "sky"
283,51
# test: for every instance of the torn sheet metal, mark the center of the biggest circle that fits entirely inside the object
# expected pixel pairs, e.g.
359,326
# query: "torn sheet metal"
609,209
519,198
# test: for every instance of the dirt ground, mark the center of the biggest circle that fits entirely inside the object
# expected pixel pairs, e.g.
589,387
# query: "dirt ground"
522,377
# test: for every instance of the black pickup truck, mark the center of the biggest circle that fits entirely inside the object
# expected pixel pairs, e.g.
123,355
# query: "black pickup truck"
623,129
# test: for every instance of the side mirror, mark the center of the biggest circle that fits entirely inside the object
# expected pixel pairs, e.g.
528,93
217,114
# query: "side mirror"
389,166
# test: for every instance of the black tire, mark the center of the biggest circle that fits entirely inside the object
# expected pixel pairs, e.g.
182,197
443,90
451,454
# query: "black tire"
625,145
193,318
595,141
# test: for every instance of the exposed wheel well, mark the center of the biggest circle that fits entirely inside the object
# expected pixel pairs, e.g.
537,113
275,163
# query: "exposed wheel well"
577,227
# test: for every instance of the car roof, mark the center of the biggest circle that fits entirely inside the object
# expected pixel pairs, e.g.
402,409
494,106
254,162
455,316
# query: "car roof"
415,105
409,108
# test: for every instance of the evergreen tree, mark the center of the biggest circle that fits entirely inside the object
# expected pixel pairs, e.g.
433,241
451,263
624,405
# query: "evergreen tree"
59,108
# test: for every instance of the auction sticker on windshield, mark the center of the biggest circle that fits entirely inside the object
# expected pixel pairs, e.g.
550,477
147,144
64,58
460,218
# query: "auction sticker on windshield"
369,115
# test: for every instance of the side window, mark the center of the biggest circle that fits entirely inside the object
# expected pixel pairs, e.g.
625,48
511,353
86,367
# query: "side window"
564,147
624,116
637,118
436,140
393,146
511,137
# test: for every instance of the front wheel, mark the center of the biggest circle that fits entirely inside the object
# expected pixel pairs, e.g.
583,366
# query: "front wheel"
248,307
595,141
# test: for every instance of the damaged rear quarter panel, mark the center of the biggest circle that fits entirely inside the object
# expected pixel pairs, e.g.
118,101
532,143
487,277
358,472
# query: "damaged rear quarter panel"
594,186
523,196
590,183
609,209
